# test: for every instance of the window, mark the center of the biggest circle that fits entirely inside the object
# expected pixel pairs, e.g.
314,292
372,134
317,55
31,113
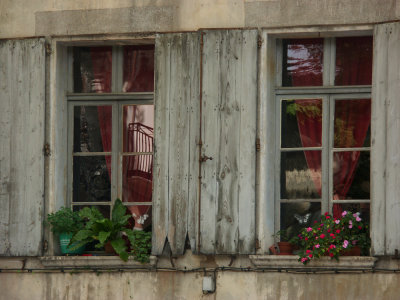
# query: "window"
110,129
323,108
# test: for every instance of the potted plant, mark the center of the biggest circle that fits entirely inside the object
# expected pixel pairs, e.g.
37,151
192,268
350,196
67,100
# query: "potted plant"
65,223
113,234
284,246
332,237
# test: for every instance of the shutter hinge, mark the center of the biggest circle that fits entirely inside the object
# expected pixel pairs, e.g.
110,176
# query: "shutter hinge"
258,145
46,149
49,51
259,41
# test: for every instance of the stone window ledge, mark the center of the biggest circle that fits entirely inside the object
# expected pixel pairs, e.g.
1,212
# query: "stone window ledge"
291,262
93,261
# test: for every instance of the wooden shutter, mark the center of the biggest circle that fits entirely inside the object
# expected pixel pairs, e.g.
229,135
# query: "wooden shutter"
22,113
229,100
175,188
385,158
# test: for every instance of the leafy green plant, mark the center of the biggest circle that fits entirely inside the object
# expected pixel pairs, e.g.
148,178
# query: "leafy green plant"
103,230
282,235
64,221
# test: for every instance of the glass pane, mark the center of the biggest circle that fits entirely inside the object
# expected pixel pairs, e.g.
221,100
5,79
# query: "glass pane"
91,178
92,69
92,128
138,69
352,123
302,62
142,216
104,209
362,208
301,175
137,178
138,123
351,175
301,123
353,61
296,216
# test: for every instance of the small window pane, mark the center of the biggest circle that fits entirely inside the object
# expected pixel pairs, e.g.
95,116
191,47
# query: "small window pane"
301,175
138,123
301,123
92,69
351,175
296,216
302,62
142,216
352,123
353,61
92,128
91,178
137,178
138,72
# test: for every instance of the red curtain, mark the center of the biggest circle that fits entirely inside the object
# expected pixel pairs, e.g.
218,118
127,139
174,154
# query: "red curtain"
351,116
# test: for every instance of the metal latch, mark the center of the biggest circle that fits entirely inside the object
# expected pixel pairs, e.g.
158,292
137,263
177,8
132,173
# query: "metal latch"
204,158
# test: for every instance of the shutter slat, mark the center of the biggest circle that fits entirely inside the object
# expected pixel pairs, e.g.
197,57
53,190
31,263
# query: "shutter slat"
22,98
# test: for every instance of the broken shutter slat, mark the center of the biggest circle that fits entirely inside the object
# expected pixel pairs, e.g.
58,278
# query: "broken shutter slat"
176,121
229,133
385,133
22,114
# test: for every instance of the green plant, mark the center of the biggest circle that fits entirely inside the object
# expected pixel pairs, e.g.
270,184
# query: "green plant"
282,235
64,221
331,236
103,230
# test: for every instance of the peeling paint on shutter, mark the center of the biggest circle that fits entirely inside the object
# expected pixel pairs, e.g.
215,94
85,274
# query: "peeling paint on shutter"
22,116
385,159
229,100
175,190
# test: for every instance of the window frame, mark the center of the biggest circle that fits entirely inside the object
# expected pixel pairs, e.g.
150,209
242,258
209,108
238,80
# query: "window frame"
269,72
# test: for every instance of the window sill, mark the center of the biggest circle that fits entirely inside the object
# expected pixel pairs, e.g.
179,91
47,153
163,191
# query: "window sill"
93,261
291,262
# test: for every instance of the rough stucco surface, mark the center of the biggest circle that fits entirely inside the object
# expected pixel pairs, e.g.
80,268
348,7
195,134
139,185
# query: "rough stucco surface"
19,18
167,285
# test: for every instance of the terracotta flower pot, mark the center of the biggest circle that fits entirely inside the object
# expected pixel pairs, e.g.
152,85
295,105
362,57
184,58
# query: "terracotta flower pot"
285,248
355,251
109,248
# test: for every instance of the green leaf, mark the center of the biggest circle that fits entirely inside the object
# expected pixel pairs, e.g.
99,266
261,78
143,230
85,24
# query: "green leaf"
103,236
119,210
119,246
81,235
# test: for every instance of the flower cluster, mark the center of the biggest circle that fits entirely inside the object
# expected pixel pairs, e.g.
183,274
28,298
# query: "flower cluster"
331,236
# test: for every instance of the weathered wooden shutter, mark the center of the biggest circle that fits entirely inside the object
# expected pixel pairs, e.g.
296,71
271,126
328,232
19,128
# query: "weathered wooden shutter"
385,158
22,113
175,189
229,102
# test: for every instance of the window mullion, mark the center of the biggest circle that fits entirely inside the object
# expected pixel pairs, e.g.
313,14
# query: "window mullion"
327,62
117,68
115,153
330,134
332,65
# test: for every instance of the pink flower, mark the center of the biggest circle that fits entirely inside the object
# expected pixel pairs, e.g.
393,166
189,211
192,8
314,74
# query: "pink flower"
331,254
332,246
359,227
329,230
350,226
326,213
309,229
308,251
358,219
319,228
328,217
306,238
337,221
332,235
345,243
310,255
338,231
355,215
304,259
322,236
344,213
317,246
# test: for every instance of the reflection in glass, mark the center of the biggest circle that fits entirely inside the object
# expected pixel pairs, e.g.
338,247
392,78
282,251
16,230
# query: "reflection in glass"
353,61
137,178
301,123
142,216
138,124
104,209
351,175
302,62
301,175
138,74
296,216
352,123
92,128
91,179
92,69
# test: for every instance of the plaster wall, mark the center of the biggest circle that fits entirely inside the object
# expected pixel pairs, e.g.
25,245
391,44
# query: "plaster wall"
19,18
177,285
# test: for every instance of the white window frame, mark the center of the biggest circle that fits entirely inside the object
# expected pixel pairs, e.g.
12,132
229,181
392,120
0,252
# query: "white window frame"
270,76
